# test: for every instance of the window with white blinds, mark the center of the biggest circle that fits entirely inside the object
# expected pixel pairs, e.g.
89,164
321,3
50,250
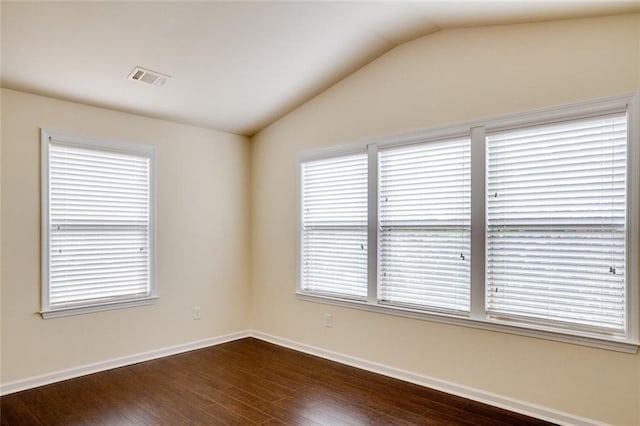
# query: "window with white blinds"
334,226
424,207
97,223
528,225
556,223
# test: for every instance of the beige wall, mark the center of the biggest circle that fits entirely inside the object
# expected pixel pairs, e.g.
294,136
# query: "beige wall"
202,239
449,77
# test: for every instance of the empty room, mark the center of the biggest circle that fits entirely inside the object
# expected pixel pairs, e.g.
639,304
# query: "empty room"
320,213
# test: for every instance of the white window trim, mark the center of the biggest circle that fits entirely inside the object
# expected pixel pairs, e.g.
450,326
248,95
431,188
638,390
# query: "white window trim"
103,145
477,318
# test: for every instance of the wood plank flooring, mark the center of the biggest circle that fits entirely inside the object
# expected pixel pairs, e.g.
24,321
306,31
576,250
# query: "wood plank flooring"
241,383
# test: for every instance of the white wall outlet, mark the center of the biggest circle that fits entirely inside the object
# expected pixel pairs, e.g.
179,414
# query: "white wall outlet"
328,320
196,313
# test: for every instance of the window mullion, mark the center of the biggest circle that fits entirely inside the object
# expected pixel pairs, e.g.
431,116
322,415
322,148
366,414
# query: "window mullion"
633,219
372,224
478,212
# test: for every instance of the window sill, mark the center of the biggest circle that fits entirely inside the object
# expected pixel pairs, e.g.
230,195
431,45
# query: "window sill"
78,310
579,338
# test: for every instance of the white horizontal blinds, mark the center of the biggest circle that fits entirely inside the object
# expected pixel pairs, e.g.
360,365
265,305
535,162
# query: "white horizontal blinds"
334,226
424,207
556,215
99,225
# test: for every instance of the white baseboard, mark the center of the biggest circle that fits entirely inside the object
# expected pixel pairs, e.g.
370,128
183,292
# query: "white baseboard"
57,376
489,398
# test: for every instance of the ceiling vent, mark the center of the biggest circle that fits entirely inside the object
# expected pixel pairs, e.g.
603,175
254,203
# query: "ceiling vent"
149,77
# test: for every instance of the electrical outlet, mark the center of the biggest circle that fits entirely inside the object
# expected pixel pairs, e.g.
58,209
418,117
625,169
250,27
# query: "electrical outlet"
328,320
196,313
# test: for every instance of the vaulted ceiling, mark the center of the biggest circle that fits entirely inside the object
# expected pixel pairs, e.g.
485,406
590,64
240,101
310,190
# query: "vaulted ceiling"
234,66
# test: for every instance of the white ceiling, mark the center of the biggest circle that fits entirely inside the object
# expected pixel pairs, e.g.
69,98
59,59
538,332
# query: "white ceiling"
235,66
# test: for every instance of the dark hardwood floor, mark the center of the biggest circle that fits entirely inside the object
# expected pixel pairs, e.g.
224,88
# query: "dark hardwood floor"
244,382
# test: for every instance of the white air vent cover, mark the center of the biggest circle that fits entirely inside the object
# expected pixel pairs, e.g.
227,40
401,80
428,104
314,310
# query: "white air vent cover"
147,76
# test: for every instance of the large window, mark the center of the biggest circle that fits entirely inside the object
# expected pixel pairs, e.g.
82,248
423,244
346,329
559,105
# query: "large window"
97,230
526,224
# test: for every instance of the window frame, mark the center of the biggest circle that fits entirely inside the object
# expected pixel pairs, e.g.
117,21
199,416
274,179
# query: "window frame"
477,130
104,145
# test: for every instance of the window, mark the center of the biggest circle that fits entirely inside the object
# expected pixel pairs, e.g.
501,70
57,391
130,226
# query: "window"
97,231
424,225
526,224
556,223
334,226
